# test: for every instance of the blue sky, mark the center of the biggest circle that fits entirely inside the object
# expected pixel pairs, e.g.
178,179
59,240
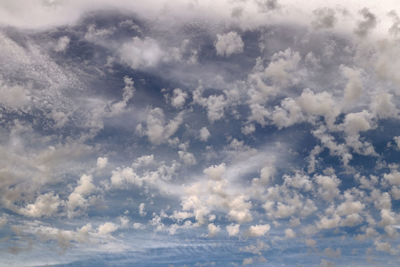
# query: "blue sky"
199,133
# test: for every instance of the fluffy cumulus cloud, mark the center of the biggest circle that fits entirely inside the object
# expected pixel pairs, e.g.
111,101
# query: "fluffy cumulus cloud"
141,53
143,132
228,44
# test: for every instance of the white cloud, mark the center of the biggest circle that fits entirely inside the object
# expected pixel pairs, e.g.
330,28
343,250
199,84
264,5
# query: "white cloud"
299,181
204,134
289,233
158,131
141,53
142,211
233,229
350,207
178,98
121,177
14,96
62,44
215,104
77,199
354,86
267,174
187,157
85,185
101,162
328,186
45,205
248,129
240,209
229,44
215,172
107,228
357,122
393,177
258,230
328,223
282,67
127,94
320,104
382,105
212,229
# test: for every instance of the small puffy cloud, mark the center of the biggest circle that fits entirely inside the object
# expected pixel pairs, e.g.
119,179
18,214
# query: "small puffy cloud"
289,233
215,172
299,181
357,122
121,177
45,205
138,226
141,53
258,230
142,210
212,229
85,185
62,44
393,177
158,131
327,186
215,104
178,98
247,261
127,94
240,209
353,88
107,228
228,44
142,161
102,162
382,105
387,218
287,114
248,129
329,223
350,207
124,221
383,246
59,117
187,157
352,220
13,96
306,107
280,69
95,34
77,199
267,174
204,134
319,104
233,229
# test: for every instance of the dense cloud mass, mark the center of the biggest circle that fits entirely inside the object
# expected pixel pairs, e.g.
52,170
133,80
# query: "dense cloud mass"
199,133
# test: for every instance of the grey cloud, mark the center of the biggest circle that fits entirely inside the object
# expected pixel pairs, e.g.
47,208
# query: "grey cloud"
325,18
368,23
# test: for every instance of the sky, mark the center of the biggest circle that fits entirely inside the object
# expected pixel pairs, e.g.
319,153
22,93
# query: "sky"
199,133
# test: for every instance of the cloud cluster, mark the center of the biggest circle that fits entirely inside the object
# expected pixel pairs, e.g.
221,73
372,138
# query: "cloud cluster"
254,127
